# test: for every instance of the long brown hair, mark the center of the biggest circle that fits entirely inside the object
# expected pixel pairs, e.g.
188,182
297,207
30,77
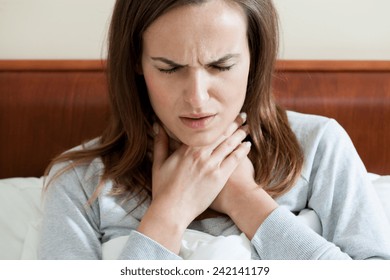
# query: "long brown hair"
124,146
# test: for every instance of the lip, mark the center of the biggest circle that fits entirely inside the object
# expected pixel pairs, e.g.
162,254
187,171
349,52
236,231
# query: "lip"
197,121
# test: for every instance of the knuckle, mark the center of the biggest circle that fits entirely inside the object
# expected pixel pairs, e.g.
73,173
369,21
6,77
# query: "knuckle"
200,158
238,155
230,143
196,155
208,166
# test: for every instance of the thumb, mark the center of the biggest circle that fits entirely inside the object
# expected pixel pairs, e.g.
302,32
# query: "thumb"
161,145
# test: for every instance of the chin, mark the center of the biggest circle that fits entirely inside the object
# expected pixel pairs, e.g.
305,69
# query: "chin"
196,138
199,140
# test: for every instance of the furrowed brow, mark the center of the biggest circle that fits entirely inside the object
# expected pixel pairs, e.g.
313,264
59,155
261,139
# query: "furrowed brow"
174,64
167,61
224,59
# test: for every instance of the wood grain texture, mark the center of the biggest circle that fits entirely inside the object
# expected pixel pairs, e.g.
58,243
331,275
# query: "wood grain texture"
332,65
45,113
51,65
358,100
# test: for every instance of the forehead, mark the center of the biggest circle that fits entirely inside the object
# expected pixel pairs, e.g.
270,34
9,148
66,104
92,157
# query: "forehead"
208,27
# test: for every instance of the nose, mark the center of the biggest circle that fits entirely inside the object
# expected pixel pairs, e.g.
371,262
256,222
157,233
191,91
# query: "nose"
196,91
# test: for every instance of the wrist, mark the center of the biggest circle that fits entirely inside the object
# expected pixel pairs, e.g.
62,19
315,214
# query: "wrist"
250,210
163,227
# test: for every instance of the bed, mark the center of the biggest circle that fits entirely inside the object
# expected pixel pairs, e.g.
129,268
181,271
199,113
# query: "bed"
48,106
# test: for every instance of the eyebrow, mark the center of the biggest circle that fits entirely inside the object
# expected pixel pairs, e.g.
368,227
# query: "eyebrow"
174,64
167,61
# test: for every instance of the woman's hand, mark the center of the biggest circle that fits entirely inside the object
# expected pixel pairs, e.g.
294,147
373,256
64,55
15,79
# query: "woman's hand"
186,182
241,181
243,200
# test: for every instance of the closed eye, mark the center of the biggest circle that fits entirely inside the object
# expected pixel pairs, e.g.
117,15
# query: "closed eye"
170,70
221,68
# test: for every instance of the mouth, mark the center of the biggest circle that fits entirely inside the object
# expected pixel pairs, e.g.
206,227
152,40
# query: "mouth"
197,121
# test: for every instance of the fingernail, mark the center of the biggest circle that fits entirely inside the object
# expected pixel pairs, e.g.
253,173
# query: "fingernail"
156,128
243,116
248,144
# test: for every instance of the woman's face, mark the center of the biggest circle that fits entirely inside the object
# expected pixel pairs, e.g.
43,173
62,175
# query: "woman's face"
195,62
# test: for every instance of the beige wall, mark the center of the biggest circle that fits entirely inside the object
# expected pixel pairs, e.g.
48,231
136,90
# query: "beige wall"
50,29
311,29
335,29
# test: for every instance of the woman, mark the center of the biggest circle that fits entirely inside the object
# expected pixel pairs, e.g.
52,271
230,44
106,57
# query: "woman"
179,155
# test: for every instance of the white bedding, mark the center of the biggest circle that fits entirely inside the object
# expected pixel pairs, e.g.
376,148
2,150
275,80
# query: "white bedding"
198,245
20,212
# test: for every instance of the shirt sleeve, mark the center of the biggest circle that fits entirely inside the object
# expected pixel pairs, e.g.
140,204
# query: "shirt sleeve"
340,192
71,226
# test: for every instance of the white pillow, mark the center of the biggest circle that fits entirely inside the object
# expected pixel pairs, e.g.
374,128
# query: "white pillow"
20,214
382,187
195,245
19,206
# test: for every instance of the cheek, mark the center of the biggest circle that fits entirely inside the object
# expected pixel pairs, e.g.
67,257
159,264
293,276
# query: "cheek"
242,85
157,93
236,87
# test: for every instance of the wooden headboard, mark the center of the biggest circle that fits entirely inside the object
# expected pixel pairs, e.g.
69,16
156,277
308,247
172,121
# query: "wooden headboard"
47,107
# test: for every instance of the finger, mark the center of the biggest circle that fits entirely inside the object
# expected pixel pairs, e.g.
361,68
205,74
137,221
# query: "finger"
238,122
230,144
161,146
234,159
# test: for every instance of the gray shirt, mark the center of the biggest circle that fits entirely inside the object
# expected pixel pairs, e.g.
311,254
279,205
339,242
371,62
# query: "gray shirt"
333,182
